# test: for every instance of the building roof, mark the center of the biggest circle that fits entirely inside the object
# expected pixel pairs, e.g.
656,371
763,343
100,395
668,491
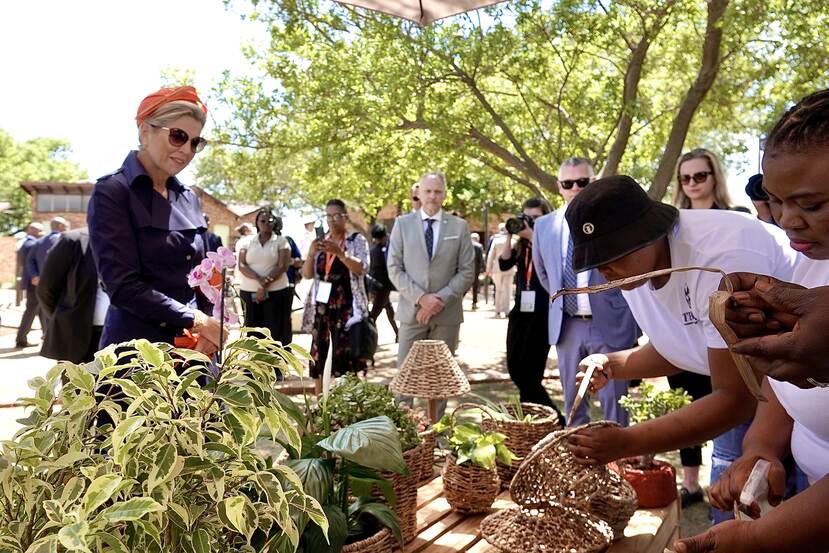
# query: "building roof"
54,187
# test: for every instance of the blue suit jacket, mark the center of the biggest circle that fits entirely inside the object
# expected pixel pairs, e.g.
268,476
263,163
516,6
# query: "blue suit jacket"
23,252
37,256
611,315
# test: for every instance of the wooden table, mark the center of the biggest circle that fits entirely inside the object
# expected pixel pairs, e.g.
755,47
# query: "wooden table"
442,530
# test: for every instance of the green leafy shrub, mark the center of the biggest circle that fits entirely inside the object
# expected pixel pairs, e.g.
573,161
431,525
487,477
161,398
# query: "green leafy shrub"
353,400
154,453
650,404
471,444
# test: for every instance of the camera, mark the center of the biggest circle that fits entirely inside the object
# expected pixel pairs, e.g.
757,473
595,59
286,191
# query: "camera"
515,224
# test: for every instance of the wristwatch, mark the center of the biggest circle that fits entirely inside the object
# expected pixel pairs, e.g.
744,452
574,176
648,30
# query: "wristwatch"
199,319
817,384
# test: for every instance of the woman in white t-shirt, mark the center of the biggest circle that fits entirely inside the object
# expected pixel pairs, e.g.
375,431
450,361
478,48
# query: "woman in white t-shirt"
618,229
784,332
264,258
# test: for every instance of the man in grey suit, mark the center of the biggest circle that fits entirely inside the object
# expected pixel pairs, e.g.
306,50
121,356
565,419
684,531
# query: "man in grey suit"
581,324
431,263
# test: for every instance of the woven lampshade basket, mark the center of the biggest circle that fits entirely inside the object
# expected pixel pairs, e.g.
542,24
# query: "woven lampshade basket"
381,542
522,435
550,474
546,529
427,455
469,488
430,372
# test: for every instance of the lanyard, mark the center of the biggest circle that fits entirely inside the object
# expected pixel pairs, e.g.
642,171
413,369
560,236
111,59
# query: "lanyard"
330,257
528,263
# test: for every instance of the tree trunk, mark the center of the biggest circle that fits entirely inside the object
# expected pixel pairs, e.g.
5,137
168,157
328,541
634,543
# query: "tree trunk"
707,74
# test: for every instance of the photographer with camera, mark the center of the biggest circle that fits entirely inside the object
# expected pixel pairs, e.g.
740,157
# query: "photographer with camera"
527,345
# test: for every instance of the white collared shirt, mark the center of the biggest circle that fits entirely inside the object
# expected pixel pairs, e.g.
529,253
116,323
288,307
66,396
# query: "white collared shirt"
437,218
582,278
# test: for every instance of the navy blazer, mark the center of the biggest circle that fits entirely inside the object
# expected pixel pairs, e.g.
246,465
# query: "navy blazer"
23,252
611,314
144,247
37,256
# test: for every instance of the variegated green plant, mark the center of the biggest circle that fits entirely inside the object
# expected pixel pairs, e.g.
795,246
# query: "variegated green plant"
151,451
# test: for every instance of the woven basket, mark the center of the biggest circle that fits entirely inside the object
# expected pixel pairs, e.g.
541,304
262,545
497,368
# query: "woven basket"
430,371
427,455
522,436
550,474
469,488
405,491
548,529
381,542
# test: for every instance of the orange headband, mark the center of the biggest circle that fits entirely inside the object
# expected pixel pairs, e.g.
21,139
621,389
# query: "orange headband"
151,103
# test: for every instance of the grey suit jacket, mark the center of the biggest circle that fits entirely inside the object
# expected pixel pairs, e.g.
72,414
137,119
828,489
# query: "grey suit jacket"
449,274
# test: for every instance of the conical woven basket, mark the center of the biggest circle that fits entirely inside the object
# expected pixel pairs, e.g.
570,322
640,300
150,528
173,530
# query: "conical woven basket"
430,372
551,475
546,529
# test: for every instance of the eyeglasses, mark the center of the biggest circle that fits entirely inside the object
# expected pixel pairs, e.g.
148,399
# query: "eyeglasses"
335,216
699,178
178,138
568,184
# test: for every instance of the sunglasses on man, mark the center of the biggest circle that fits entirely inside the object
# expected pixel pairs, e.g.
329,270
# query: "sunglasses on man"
178,138
568,184
698,178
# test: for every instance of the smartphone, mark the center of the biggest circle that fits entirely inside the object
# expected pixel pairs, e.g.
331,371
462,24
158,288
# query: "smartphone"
320,233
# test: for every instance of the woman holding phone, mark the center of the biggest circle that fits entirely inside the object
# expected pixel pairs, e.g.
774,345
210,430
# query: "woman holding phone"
337,300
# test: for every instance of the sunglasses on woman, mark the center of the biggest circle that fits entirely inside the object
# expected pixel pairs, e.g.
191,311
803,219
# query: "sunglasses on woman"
568,184
699,178
178,138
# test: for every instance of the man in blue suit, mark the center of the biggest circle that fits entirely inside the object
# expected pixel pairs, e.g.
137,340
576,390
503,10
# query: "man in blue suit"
580,324
33,232
37,257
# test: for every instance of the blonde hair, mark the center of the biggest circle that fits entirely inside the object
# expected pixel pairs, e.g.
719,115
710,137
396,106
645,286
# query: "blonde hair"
171,111
721,198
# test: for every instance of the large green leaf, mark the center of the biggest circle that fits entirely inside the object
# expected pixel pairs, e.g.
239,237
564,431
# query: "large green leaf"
100,491
382,513
48,544
73,536
374,443
119,436
164,466
150,353
232,514
316,475
201,541
132,509
314,540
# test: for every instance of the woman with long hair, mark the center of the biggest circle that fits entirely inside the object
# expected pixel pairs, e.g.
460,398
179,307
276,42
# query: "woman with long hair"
701,182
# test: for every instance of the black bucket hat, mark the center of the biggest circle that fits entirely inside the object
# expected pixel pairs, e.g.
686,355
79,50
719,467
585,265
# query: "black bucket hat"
612,218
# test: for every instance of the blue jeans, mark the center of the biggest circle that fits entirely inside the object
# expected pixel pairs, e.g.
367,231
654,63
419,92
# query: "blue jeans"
727,448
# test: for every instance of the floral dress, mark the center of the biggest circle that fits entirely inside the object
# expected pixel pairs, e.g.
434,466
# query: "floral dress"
329,323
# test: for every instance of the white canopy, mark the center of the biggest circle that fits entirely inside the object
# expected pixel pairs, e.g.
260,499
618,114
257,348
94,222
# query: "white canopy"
421,12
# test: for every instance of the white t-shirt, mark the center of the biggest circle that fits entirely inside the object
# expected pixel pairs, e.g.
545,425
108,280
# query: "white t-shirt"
808,408
675,317
262,259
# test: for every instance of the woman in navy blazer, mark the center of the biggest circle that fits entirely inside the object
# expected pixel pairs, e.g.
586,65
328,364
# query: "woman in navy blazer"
147,230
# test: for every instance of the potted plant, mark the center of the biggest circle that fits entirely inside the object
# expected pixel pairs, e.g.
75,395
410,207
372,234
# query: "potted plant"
654,481
340,471
470,475
353,400
524,425
155,452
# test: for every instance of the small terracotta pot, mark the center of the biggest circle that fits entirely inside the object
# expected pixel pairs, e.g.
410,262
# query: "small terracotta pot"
655,487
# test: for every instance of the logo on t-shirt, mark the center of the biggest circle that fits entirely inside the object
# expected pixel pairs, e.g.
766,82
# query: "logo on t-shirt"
688,317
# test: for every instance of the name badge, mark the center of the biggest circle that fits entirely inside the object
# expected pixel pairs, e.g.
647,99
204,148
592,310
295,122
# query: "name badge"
527,301
323,291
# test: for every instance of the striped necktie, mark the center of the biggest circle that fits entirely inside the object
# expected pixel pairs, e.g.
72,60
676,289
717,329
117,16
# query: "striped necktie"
571,304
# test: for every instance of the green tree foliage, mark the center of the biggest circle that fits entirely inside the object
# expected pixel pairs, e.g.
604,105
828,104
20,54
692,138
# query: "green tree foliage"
39,159
355,104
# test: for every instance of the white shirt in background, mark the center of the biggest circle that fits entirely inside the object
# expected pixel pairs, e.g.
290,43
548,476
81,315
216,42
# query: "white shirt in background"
675,317
262,259
809,407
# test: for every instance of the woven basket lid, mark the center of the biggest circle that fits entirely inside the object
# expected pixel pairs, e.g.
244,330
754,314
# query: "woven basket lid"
430,372
550,473
549,529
